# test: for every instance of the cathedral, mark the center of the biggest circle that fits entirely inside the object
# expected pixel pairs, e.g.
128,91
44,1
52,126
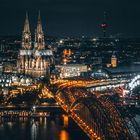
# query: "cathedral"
34,59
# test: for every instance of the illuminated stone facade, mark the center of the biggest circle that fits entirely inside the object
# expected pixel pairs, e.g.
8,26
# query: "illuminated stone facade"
34,59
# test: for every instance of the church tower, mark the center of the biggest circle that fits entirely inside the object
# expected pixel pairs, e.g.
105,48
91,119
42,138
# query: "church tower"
26,35
24,61
39,35
39,46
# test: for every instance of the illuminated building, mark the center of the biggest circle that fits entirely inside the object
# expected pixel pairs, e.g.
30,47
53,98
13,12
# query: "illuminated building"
113,61
34,59
71,70
9,80
66,55
8,68
67,52
1,69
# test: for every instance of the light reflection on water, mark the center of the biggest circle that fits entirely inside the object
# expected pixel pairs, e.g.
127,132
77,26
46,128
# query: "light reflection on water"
64,135
40,129
34,131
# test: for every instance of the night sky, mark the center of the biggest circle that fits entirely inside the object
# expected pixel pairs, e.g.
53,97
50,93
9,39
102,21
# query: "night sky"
72,17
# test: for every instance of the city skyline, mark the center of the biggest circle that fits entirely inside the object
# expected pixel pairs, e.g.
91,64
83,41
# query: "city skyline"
70,18
69,70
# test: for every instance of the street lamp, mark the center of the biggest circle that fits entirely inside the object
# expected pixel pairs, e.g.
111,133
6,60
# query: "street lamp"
34,108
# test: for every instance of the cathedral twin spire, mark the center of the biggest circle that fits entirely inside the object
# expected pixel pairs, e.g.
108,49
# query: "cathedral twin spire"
39,24
32,56
26,25
26,36
39,35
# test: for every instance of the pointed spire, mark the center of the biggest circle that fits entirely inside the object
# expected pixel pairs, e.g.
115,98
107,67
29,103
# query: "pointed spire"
39,35
26,35
39,24
39,16
26,24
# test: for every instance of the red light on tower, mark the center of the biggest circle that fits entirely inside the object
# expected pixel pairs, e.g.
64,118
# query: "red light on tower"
103,25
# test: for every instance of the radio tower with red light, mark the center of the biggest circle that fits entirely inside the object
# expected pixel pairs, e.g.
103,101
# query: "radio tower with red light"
104,26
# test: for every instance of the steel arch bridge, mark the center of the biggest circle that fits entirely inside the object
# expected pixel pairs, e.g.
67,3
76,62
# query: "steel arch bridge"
98,117
135,82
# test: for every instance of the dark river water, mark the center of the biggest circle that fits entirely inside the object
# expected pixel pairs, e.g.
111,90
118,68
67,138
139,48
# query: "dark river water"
39,129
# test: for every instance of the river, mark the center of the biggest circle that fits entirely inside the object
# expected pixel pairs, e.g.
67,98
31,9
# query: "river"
39,129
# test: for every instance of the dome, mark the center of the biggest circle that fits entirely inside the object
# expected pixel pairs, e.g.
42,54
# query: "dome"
15,79
28,81
99,74
23,81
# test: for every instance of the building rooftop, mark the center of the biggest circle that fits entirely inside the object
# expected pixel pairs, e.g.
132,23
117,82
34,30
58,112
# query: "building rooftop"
124,69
